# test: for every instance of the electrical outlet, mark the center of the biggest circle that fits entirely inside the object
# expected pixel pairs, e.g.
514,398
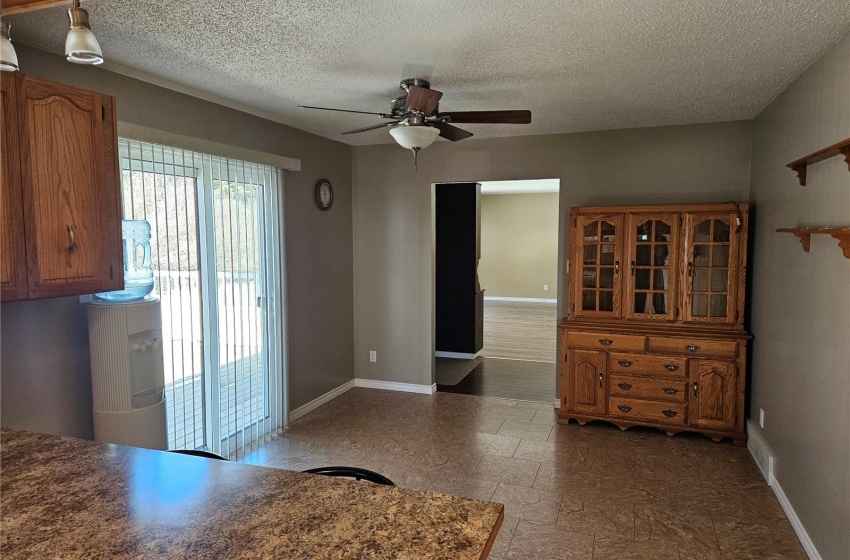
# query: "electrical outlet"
761,418
545,287
373,356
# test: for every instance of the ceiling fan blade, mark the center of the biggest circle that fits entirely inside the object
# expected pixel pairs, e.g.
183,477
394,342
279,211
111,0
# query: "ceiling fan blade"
373,127
450,132
492,117
422,99
343,110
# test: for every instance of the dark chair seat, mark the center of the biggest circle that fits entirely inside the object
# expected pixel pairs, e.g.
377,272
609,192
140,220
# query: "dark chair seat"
353,472
199,453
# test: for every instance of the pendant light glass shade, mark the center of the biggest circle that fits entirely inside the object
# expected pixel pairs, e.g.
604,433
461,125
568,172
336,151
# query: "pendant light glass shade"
81,46
414,137
8,56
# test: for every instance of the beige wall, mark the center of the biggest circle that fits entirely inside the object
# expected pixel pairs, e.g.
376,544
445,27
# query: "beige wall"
800,304
519,245
45,367
393,213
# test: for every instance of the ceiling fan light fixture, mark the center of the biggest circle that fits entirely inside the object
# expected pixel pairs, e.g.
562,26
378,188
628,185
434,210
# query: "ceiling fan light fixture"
81,46
8,56
414,137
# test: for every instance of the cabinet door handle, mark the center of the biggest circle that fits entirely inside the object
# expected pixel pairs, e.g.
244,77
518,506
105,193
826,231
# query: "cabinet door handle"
616,267
606,341
72,242
670,390
624,363
690,270
600,379
671,367
624,386
624,408
692,347
633,268
695,388
669,413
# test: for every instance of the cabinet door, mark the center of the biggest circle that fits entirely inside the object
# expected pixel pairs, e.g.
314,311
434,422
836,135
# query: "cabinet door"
712,400
652,242
70,188
13,262
713,271
586,379
596,265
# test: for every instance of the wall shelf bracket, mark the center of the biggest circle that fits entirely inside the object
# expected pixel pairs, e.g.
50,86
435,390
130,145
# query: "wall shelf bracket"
805,236
799,166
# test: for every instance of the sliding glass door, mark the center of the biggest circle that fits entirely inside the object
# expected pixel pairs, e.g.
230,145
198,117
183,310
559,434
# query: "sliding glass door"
216,256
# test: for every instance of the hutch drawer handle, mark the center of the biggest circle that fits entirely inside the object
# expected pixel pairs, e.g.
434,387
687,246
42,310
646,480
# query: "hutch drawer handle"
670,390
695,388
624,386
624,408
72,242
671,367
692,347
669,413
624,363
600,379
606,341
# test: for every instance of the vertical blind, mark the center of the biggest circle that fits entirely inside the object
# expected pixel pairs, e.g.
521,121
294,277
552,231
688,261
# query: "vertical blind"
215,247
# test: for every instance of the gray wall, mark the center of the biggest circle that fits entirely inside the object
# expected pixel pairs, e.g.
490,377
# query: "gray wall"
393,213
45,367
800,303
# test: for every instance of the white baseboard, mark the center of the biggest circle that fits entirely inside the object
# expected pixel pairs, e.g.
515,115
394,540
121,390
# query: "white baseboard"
456,355
319,401
394,386
520,299
765,459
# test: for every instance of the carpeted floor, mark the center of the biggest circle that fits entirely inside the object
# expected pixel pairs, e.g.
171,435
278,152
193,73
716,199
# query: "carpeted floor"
451,371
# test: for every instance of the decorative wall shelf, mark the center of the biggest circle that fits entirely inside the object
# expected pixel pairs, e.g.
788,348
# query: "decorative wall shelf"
799,166
805,235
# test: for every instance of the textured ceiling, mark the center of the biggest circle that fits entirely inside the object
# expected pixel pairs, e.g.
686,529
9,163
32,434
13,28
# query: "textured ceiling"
578,65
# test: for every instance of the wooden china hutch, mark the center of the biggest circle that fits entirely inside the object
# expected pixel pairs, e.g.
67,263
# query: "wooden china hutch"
654,334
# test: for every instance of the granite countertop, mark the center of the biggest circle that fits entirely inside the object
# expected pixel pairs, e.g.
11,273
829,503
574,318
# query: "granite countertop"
70,498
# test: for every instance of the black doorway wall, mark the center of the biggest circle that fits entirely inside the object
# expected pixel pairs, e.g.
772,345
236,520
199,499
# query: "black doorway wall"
459,298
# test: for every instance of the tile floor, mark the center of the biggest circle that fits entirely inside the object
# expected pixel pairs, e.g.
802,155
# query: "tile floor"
570,492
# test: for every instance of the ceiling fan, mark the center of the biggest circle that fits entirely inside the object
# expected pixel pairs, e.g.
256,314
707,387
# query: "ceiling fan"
416,120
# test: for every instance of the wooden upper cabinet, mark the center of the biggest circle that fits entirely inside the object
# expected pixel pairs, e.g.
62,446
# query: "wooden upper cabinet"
13,272
652,254
597,255
713,274
69,179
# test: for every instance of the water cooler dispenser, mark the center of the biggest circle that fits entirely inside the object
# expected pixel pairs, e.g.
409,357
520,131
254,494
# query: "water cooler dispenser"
125,344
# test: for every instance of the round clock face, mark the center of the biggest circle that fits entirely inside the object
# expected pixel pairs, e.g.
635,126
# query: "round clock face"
324,194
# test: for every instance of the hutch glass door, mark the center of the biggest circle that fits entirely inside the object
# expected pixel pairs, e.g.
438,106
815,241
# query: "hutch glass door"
653,246
712,268
598,249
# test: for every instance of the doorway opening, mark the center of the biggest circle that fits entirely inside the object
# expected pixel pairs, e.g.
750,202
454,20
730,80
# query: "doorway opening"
496,288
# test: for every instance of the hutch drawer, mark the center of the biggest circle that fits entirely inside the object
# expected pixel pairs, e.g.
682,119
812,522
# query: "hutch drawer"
647,388
605,341
653,411
648,364
693,346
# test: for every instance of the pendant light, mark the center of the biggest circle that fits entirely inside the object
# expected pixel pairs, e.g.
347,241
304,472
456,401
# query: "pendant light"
8,56
81,46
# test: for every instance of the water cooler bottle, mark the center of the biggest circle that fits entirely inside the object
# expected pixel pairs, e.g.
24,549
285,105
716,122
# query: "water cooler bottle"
125,344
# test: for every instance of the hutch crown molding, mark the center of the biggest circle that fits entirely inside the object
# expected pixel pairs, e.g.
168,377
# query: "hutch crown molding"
654,334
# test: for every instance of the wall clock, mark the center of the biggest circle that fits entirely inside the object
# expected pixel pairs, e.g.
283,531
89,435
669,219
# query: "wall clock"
324,194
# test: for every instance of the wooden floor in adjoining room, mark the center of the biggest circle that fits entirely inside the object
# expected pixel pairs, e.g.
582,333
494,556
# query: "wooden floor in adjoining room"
518,358
520,330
